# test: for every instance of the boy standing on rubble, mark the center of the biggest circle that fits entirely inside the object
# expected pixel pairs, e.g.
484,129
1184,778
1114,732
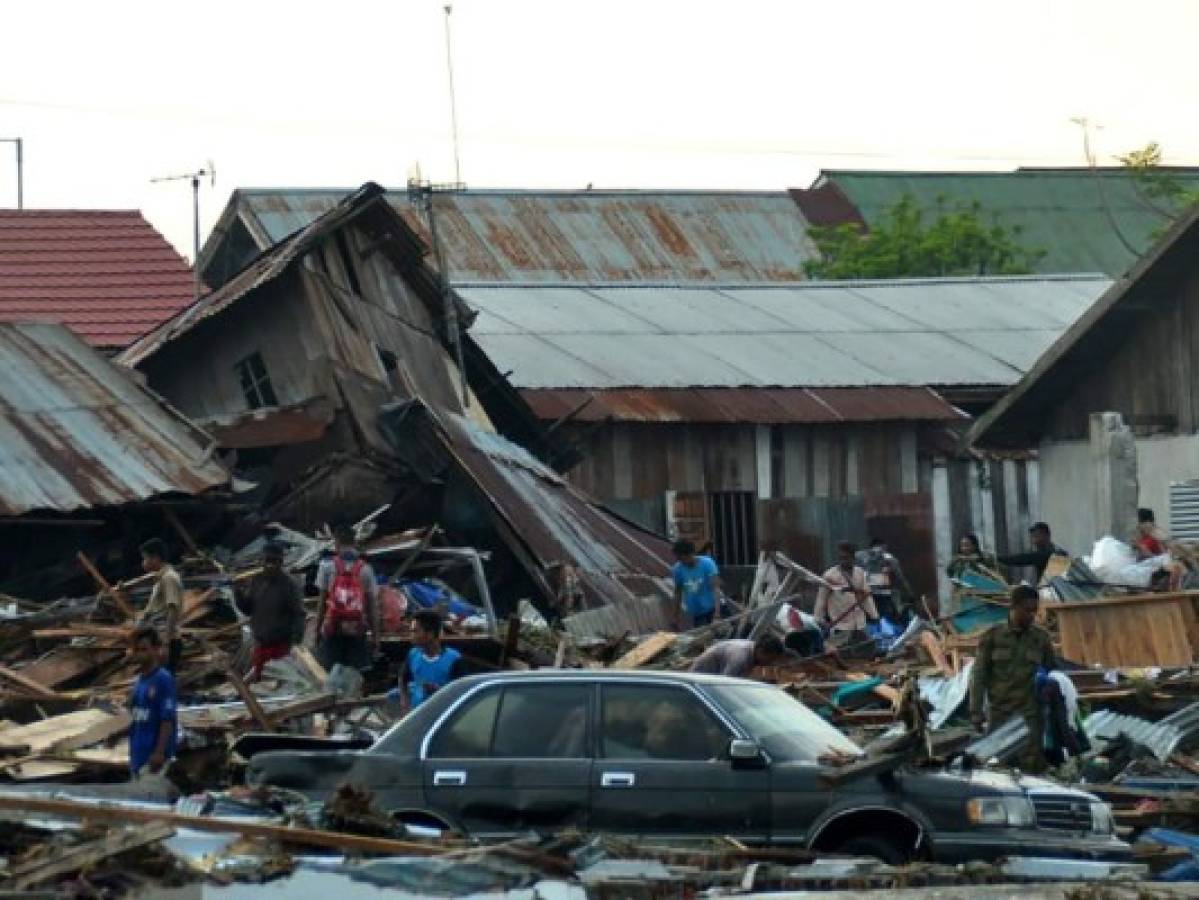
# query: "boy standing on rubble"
429,665
272,602
696,585
152,706
167,595
347,621
1005,672
845,604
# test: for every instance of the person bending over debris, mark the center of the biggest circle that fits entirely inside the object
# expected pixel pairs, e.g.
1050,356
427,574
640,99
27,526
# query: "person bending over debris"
696,585
272,602
1065,737
738,658
347,622
429,665
1148,540
151,705
848,605
1004,676
167,595
1043,549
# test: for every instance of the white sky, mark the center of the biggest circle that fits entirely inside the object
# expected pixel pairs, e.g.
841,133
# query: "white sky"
559,93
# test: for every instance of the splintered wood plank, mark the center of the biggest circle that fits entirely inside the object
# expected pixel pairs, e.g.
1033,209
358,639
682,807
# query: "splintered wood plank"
34,688
309,664
77,859
646,651
69,731
247,696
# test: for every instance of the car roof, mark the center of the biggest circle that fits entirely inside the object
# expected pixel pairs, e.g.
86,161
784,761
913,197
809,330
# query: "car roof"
535,675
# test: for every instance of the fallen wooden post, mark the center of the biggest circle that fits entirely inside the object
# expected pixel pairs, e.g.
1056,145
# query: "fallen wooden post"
105,588
261,719
37,690
307,837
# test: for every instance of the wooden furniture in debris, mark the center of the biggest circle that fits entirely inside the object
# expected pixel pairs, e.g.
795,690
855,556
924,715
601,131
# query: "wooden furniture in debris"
1138,630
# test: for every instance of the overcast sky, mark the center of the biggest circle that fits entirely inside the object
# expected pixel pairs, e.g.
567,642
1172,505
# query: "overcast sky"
617,93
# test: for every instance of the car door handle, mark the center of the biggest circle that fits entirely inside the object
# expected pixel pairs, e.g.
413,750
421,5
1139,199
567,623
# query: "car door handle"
617,779
455,778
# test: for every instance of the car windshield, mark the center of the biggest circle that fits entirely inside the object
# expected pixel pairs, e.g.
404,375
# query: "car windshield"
780,724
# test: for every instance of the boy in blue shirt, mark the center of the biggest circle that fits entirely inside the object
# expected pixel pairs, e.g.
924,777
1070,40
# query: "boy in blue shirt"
429,665
696,585
152,705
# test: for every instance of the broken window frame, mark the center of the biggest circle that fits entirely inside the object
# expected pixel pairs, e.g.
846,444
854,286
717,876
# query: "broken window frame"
255,381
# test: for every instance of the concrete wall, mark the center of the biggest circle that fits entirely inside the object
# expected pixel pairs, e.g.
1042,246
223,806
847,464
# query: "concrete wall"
1161,460
1068,493
1067,490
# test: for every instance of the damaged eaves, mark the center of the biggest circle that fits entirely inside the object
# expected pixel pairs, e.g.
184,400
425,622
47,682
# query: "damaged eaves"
77,432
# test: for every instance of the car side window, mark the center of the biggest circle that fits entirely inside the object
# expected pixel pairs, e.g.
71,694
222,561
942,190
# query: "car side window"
544,721
468,732
658,722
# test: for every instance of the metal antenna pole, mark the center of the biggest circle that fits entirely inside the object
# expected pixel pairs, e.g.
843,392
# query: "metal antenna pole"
425,192
449,61
194,178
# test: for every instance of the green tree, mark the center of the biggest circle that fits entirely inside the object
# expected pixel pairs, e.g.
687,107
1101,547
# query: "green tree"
905,243
1159,188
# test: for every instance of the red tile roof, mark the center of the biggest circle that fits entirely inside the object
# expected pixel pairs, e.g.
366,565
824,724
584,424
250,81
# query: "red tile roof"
106,274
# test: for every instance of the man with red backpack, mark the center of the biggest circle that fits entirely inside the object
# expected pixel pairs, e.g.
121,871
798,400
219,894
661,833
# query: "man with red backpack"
347,622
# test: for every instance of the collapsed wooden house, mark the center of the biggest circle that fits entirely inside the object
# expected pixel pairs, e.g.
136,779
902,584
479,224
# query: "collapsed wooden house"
337,371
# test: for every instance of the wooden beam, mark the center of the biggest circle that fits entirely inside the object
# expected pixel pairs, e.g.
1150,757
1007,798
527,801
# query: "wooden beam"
38,690
105,588
247,697
173,521
306,837
645,652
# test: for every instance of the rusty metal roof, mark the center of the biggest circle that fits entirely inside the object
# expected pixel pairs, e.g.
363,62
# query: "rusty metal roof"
76,431
904,332
557,525
762,406
501,236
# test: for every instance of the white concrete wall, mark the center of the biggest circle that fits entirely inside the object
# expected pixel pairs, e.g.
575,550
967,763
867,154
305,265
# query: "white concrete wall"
1161,460
1067,489
1067,492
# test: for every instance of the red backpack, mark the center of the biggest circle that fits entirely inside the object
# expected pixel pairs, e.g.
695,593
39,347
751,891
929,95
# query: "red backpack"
346,612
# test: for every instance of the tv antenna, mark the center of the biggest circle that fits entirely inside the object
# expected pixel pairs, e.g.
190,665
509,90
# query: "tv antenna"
208,172
449,62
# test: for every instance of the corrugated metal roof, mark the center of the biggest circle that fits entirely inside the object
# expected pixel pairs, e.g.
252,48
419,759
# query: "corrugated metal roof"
105,273
502,236
616,562
76,431
1066,212
939,332
764,406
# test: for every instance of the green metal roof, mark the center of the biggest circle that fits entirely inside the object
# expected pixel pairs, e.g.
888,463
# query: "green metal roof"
1077,216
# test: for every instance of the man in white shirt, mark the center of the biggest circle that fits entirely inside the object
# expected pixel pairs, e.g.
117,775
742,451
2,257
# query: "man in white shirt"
847,605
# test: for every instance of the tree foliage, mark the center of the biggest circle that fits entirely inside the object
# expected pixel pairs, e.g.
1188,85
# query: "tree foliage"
904,242
1162,191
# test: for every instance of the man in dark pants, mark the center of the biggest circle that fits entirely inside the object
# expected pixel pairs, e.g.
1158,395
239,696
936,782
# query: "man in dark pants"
152,732
347,621
1043,549
1005,672
166,596
272,602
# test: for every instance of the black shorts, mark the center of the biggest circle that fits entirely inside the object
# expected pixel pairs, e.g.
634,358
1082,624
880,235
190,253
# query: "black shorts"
349,650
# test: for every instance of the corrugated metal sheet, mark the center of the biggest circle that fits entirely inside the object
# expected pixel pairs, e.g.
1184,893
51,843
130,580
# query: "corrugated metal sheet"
552,236
77,432
764,406
939,332
1068,213
616,562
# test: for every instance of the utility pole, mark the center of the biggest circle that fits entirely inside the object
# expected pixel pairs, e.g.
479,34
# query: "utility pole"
194,178
20,169
449,61
421,192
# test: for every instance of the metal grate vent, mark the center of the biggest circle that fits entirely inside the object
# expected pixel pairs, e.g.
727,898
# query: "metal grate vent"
1184,510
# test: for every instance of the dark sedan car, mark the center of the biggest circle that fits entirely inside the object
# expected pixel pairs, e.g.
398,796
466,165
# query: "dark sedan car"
678,755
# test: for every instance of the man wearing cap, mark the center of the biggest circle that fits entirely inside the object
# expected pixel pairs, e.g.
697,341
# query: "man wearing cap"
272,602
